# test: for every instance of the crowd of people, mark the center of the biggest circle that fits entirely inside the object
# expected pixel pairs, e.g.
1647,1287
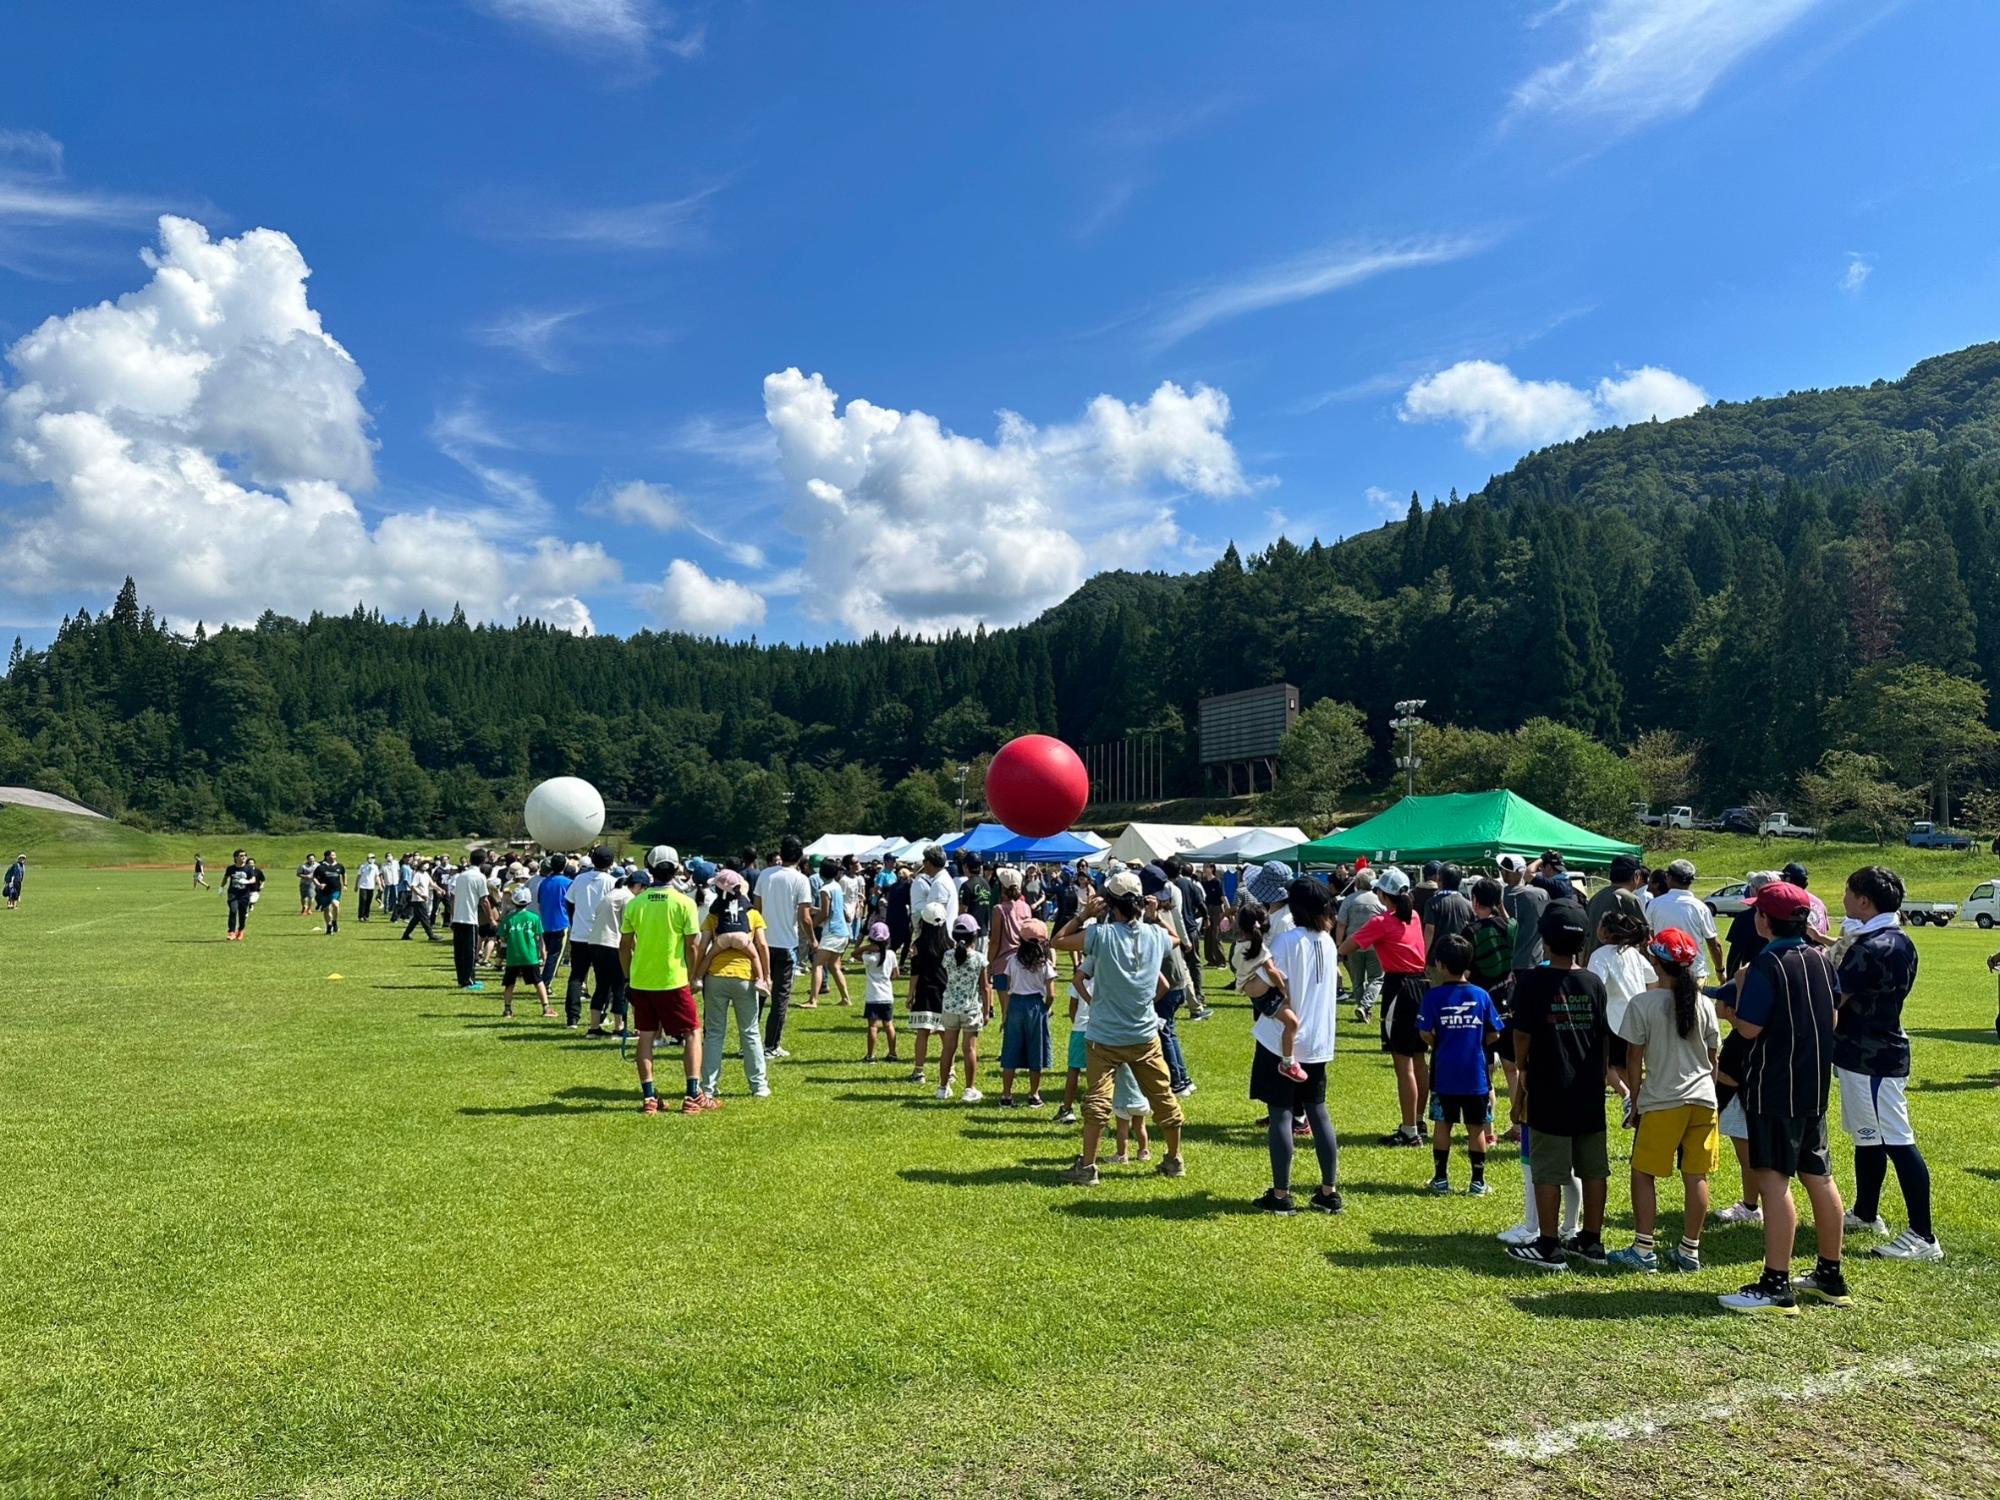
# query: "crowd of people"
1577,995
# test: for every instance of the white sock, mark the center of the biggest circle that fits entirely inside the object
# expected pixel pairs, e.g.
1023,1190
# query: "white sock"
1572,1205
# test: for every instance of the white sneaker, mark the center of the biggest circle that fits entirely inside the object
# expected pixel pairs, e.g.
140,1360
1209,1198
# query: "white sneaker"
1520,1234
776,1052
1909,1245
762,1091
973,1096
944,1092
1740,1213
1853,1223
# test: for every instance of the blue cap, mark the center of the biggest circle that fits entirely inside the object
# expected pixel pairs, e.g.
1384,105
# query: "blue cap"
701,871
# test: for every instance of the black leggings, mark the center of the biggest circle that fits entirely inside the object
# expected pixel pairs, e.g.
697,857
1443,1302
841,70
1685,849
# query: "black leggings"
239,912
1324,1143
1913,1176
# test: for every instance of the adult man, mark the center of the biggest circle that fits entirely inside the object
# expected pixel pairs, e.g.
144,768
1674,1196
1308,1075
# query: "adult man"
421,893
896,909
1449,913
1191,912
329,879
934,883
1622,894
1364,969
1681,908
785,897
17,875
552,901
586,894
471,905
1551,877
1125,956
1524,905
307,888
1795,874
656,951
1784,1007
240,884
366,879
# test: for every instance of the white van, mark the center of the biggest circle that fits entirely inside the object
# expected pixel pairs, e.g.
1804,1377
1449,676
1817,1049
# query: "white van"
1983,905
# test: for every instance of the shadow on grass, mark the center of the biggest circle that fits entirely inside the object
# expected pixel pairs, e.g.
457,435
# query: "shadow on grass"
1657,1297
1470,1249
908,1101
1983,1085
1172,1205
570,1101
1037,1171
1991,1174
1954,1033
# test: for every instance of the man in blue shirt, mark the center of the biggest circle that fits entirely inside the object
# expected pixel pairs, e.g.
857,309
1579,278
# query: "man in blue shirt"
1458,1022
1784,1009
1126,956
552,901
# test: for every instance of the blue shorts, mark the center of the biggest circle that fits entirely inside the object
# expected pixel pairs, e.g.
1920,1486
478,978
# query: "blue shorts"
1078,1057
873,1013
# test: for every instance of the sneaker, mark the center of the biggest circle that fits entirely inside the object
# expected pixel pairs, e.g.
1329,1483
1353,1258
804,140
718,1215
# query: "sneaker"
1591,1254
1171,1166
650,1105
1479,1189
507,1014
779,1054
1271,1203
1520,1234
1532,1256
1184,1090
1204,1014
1632,1258
973,1096
1145,1153
1007,1101
762,1091
1081,1174
1740,1213
1679,1260
475,986
916,1074
1440,1187
1292,1071
1400,1137
1758,1298
1828,1287
1065,1116
1853,1223
944,1091
1909,1245
1119,1160
691,1105
710,1103
1034,1102
1326,1201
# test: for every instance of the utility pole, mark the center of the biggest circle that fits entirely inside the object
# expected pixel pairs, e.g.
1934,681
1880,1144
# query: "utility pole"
1409,723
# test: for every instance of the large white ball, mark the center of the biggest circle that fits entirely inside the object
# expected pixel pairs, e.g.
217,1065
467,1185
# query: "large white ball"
564,812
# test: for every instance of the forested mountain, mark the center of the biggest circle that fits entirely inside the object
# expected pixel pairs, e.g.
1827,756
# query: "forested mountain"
1758,577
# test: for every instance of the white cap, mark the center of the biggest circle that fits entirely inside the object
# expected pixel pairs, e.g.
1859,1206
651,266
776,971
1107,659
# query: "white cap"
1124,883
662,854
1392,881
520,895
933,913
1512,862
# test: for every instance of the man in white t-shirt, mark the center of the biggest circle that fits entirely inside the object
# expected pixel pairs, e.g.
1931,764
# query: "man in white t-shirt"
1680,908
934,883
471,900
586,956
785,896
365,880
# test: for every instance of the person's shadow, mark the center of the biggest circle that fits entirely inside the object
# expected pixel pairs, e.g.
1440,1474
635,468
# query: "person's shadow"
571,1101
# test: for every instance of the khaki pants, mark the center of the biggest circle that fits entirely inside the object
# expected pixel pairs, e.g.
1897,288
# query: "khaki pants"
1149,1066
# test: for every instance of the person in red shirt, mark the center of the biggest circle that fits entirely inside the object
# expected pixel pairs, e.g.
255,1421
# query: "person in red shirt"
1396,937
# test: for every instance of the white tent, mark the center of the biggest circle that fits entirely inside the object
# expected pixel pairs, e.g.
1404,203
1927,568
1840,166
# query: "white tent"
1248,845
914,849
840,845
1143,842
882,849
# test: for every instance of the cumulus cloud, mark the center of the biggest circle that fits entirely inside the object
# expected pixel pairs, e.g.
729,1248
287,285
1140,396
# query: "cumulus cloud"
909,525
689,599
1859,268
206,434
1497,409
659,507
1645,60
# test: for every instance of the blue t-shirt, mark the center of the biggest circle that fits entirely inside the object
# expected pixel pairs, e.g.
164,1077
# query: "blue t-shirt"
1459,1015
550,898
1125,959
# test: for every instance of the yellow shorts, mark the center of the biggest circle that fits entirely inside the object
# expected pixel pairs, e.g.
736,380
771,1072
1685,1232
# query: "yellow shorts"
1688,1130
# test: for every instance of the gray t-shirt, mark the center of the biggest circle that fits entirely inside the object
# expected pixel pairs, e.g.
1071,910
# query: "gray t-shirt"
1125,959
1357,908
1449,913
1598,907
1677,1067
1525,904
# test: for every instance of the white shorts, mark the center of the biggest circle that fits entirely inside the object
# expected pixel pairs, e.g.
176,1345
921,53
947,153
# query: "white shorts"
1734,1123
1875,1111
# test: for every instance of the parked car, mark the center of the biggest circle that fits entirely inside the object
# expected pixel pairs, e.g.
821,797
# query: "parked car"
1780,826
1937,913
1737,820
1729,900
1673,817
1983,905
1930,836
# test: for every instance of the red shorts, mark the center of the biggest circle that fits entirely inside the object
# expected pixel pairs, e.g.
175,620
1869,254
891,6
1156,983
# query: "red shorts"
670,1012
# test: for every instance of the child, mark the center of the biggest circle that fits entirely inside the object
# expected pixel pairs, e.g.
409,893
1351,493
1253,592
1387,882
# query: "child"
1672,1042
927,981
1457,1021
1129,1111
968,1006
1620,961
878,1005
729,921
527,947
1259,981
1079,1023
1559,1043
1031,978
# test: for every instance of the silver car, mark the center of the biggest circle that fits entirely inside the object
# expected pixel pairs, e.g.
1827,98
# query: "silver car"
1729,900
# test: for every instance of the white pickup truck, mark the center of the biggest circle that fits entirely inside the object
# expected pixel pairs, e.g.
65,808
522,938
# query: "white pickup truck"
1983,905
1779,826
1673,817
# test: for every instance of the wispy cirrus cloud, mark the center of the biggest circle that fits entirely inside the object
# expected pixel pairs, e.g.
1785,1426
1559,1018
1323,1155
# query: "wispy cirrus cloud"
32,149
1308,276
634,29
531,333
1640,61
658,224
44,218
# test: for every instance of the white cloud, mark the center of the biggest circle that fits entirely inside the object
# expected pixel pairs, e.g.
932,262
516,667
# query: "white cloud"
1645,60
1385,503
1859,268
742,445
531,333
33,149
1498,409
1305,277
464,435
660,508
908,525
661,224
689,599
631,27
206,435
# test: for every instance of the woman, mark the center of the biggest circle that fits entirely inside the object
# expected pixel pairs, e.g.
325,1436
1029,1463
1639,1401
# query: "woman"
1003,932
834,934
1309,959
1397,938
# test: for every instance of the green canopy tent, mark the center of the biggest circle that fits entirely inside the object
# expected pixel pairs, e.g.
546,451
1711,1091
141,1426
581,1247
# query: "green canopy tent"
1465,827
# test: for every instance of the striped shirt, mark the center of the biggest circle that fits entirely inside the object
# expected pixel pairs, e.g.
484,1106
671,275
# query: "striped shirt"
1788,992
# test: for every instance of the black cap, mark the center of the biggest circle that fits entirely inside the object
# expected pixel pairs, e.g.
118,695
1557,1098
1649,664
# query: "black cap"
1560,919
1795,874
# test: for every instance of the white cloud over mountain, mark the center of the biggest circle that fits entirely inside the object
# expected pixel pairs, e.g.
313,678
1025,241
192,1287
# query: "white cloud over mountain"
1495,408
689,599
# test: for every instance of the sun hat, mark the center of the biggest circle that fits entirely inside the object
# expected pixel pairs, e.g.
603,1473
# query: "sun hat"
966,924
1152,879
1672,945
1035,930
933,913
731,880
1271,883
702,870
878,932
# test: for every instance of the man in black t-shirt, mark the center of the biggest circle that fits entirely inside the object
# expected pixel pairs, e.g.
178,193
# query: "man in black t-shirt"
1449,913
1561,1037
329,878
240,882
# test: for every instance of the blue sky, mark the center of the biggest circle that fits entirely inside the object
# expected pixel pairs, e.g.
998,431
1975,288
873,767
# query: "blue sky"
593,282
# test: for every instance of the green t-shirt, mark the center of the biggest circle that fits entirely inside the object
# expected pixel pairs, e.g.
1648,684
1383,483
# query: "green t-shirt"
660,922
522,931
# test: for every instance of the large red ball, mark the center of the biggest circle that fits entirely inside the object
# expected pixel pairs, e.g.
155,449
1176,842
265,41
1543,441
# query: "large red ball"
1036,785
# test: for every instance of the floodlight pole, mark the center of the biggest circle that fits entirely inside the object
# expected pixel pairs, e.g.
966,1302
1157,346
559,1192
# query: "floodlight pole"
1409,722
963,772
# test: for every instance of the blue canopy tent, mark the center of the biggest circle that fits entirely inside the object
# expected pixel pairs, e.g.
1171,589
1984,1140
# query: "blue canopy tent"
981,840
1000,841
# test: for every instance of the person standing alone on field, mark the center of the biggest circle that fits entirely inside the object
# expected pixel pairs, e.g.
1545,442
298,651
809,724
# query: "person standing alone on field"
200,883
656,949
240,885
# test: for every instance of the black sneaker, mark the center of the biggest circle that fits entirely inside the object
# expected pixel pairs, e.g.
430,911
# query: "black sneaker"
1402,1138
1271,1203
1824,1286
1536,1258
1326,1201
1591,1253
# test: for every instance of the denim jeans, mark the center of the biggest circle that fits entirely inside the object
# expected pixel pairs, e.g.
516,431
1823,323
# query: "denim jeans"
550,963
719,997
1166,1008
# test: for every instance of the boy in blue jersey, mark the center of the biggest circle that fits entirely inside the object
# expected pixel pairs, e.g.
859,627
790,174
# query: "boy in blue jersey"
1458,1022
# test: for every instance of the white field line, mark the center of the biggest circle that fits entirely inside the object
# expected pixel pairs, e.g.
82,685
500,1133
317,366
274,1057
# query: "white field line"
1554,1442
116,916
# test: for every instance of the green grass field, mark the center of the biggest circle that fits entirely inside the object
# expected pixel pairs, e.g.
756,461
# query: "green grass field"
271,1233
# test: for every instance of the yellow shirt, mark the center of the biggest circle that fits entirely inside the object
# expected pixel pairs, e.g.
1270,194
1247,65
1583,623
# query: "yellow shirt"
729,965
660,922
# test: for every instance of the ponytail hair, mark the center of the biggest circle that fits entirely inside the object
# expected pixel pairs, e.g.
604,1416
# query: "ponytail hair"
960,947
1401,904
1252,923
1680,980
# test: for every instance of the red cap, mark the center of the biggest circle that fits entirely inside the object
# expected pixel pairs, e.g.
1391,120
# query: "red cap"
1784,901
1673,946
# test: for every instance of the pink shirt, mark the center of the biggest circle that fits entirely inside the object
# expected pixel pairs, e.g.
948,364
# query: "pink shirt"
1003,933
1399,944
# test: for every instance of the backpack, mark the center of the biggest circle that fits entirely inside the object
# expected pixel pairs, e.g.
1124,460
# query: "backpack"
731,913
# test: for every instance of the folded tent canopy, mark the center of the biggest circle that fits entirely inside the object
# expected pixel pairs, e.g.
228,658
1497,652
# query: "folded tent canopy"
1467,827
